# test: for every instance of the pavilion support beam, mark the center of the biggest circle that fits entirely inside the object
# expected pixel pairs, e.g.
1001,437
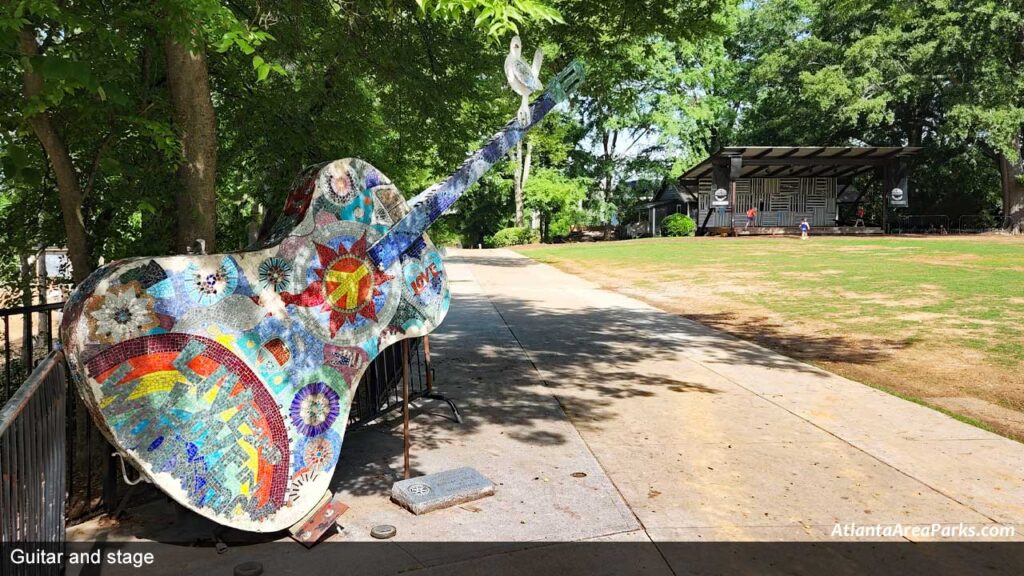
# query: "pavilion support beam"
723,176
818,161
842,152
820,173
885,200
799,173
848,172
757,172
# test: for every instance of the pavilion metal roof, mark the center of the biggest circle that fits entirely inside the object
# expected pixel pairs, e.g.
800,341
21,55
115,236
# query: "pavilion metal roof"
802,161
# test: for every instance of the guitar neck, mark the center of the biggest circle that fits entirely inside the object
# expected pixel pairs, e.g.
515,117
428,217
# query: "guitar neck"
427,206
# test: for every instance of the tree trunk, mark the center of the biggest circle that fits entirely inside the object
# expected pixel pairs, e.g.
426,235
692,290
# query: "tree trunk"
517,182
68,187
1013,189
609,177
520,176
196,124
526,177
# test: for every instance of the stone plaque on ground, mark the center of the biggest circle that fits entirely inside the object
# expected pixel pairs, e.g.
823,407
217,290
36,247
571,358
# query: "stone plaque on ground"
441,490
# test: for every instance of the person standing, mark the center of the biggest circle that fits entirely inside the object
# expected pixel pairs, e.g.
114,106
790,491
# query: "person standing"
751,214
860,217
805,227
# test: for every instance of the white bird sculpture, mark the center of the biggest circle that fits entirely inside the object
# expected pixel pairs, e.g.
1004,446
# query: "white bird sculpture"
523,78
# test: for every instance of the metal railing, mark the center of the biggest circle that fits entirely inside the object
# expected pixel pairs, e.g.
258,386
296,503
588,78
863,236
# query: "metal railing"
29,334
32,460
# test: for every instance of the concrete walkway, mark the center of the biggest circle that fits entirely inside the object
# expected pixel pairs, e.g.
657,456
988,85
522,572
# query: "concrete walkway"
711,438
604,420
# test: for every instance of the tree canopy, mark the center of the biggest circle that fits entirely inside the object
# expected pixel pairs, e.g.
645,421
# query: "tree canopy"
108,147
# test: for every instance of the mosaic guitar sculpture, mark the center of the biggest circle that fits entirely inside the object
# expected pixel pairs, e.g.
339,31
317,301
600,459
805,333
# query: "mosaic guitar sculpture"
226,379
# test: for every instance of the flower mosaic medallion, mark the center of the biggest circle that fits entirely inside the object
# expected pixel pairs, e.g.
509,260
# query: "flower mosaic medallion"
124,312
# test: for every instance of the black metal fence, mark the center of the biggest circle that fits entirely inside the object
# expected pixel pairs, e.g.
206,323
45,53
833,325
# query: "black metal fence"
90,472
32,462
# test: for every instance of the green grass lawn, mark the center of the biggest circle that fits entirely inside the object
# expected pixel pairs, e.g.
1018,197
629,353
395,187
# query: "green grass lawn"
929,295
877,285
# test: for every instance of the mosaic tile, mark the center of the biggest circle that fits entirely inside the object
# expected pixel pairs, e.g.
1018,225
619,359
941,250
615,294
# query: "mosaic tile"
226,379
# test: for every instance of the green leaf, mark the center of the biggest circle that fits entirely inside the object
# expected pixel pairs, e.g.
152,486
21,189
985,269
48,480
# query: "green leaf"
484,15
244,46
226,42
147,206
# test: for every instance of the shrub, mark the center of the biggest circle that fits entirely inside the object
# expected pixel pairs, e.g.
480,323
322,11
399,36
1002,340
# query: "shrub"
512,237
678,225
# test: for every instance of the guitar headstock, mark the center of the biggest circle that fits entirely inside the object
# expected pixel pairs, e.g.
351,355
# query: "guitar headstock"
429,205
565,82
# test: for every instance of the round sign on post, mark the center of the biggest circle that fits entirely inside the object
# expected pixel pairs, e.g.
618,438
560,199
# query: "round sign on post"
721,197
898,197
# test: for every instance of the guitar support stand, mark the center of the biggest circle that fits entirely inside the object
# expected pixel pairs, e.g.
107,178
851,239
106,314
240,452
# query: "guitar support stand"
406,440
405,405
430,383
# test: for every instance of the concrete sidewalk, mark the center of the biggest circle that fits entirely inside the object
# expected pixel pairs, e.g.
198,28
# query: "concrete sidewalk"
711,438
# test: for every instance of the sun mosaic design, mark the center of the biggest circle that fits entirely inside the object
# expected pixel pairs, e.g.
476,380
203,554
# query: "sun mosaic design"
314,409
227,379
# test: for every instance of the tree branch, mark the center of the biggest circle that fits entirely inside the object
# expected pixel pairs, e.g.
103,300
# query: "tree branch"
424,34
94,169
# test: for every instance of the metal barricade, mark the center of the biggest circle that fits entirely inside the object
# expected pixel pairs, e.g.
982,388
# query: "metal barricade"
379,392
921,224
32,463
976,223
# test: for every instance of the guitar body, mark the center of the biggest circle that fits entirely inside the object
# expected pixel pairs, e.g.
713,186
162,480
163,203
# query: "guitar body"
227,379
